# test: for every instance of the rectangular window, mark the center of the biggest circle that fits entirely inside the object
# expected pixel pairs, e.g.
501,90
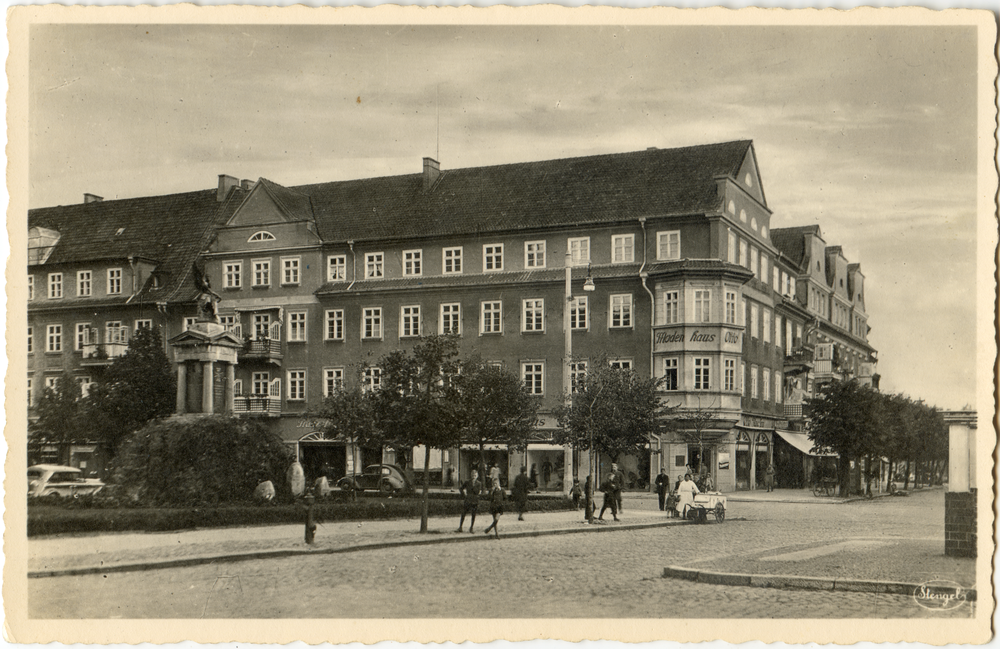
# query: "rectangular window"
743,379
374,265
371,379
702,373
30,395
189,323
766,382
788,337
492,317
31,287
755,261
579,250
670,374
261,384
297,327
54,338
55,286
261,326
114,281
231,323
702,306
668,245
730,307
578,313
492,257
767,324
51,383
233,274
754,321
744,261
296,385
409,321
289,271
730,375
336,268
788,284
114,332
621,364
621,311
84,383
412,260
623,248
451,319
778,392
452,260
262,272
371,323
534,254
31,339
671,307
776,279
754,391
82,335
534,315
764,272
333,380
533,375
335,324
731,250
84,283
777,330
577,372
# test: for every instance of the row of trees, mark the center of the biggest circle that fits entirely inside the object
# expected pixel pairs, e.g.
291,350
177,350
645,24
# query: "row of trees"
861,424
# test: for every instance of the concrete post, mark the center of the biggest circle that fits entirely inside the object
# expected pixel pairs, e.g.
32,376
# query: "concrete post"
207,393
230,388
181,388
960,515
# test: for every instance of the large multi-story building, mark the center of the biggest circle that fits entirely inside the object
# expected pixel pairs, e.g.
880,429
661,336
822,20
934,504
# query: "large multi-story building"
690,285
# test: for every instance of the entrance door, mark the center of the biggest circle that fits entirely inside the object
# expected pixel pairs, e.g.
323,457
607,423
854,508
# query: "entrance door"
742,462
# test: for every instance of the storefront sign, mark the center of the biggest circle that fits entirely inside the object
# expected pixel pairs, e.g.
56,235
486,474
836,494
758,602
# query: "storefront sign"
723,460
697,339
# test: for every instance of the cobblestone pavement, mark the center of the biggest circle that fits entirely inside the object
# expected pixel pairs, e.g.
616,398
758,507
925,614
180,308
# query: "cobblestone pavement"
568,576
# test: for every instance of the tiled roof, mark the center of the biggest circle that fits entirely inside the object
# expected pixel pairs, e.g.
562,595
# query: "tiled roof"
295,204
572,191
170,230
791,241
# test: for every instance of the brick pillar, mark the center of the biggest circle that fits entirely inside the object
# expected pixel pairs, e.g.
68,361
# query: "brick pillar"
181,388
207,388
960,523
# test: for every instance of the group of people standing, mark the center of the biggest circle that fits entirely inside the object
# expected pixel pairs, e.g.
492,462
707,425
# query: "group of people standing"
472,489
681,496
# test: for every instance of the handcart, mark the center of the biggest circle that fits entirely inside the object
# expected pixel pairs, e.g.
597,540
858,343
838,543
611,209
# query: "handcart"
710,502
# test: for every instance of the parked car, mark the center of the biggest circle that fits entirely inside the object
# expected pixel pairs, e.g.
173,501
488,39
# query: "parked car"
52,479
386,478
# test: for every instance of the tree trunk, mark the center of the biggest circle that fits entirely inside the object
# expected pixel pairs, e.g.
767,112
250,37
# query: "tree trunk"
844,474
906,480
427,479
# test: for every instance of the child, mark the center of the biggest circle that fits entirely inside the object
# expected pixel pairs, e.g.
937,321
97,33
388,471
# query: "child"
577,493
496,506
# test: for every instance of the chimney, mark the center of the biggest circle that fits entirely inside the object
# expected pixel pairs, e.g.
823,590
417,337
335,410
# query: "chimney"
246,184
225,184
432,171
92,198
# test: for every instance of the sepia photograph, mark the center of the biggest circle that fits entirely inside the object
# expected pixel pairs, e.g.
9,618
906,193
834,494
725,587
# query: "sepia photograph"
367,324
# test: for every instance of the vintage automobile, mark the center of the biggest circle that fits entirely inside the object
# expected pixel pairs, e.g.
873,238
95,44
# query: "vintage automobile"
55,480
386,478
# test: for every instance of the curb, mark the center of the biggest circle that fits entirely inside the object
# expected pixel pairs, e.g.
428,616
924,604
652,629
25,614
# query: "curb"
282,554
794,582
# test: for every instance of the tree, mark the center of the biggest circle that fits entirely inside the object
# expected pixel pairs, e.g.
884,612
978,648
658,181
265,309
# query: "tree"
495,407
137,387
418,401
698,425
847,419
62,419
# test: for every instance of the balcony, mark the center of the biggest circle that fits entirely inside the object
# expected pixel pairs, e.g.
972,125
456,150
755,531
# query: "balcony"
796,411
261,349
257,404
101,354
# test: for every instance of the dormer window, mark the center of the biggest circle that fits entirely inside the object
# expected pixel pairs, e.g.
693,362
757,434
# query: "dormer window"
263,235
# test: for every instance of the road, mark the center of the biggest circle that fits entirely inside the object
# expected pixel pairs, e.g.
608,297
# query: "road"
606,575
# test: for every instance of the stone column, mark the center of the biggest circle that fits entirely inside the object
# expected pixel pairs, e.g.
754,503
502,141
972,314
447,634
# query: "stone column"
181,388
207,376
960,515
230,386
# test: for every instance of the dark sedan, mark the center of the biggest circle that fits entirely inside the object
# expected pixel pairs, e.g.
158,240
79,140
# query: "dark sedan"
386,478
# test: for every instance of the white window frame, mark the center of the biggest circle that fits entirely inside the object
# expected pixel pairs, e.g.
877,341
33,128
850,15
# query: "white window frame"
624,244
779,393
84,283
743,379
665,241
115,332
621,364
336,318
296,385
189,323
533,315
765,380
409,321
754,320
231,322
577,371
30,394
451,256
232,274
31,287
537,373
744,254
754,384
261,235
534,254
261,324
579,250
84,383
371,379
82,329
297,326
623,311
766,323
492,257
413,263
114,281
671,366
755,261
55,286
336,268
578,306
671,306
371,323
258,380
776,278
31,339
52,383
731,255
729,374
333,380
702,305
495,313
53,338
731,316
765,272
374,265
702,373
450,311
291,271
261,271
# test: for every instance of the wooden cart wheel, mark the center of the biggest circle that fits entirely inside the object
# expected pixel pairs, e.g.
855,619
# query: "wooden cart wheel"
720,512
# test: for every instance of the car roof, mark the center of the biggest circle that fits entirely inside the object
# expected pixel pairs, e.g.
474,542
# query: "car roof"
53,467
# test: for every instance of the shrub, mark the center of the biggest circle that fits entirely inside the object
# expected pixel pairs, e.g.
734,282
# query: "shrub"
200,460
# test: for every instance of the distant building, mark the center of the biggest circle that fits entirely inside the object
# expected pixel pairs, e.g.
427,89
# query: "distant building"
691,285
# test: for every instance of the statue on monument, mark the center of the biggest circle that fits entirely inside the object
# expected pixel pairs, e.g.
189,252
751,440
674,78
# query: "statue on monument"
209,299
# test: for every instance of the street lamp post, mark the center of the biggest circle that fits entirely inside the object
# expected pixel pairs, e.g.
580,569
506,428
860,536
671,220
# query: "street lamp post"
567,366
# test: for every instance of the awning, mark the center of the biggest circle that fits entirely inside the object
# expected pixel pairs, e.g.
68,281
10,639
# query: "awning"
800,441
486,447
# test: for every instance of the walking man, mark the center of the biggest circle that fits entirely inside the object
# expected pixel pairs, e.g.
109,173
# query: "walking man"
619,484
471,489
520,492
662,486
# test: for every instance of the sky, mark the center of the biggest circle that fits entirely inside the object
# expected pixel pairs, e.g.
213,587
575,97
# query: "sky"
868,131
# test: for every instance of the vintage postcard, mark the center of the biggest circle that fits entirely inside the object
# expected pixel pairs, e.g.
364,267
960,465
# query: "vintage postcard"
539,323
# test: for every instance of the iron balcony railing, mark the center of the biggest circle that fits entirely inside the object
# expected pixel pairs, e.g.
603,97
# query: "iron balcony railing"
257,404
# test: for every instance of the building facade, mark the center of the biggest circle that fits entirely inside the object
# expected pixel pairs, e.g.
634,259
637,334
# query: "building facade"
320,281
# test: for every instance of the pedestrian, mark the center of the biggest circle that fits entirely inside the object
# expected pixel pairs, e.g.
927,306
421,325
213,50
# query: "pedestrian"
494,473
576,492
470,490
610,499
534,476
662,487
685,492
497,497
520,492
619,484
546,472
769,477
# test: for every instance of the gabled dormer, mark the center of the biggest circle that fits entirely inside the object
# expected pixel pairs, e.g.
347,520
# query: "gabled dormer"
269,217
41,243
748,177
